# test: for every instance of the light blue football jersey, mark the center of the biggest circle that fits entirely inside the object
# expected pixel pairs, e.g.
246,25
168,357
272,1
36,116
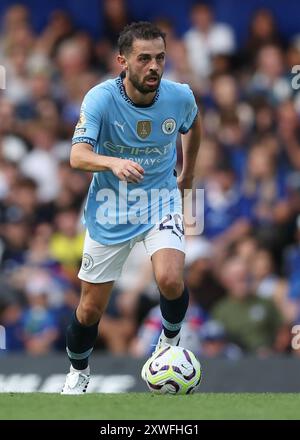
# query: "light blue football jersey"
114,126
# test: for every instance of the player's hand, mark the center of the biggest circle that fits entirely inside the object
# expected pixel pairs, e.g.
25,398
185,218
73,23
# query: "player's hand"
127,170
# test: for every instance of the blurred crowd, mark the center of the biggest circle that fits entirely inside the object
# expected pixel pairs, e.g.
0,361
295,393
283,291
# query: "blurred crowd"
243,271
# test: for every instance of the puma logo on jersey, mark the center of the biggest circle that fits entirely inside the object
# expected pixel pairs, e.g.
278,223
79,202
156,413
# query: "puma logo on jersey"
117,124
173,232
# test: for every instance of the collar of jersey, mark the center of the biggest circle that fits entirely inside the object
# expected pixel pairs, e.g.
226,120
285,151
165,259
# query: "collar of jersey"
119,81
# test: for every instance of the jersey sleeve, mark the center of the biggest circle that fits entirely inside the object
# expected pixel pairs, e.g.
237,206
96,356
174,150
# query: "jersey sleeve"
190,110
90,119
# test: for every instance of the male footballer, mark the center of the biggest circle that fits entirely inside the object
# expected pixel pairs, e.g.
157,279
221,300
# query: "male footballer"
126,136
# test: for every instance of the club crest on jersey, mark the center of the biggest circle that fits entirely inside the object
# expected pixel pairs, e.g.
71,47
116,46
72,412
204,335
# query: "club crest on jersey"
143,128
168,126
87,262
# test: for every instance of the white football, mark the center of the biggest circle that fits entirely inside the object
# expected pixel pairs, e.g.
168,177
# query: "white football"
172,370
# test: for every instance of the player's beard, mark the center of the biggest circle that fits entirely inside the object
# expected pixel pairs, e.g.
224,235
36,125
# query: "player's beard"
141,86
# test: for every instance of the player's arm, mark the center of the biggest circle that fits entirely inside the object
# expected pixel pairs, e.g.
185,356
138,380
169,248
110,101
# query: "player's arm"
190,146
83,155
83,158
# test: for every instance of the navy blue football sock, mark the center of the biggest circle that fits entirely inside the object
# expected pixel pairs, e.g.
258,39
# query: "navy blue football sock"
173,313
80,342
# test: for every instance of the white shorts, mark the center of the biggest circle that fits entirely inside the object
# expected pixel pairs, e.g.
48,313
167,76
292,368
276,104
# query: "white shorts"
103,263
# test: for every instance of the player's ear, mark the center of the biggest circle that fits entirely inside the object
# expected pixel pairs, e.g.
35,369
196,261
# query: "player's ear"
122,61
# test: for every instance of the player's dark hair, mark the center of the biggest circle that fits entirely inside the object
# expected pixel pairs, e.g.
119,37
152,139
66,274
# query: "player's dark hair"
142,30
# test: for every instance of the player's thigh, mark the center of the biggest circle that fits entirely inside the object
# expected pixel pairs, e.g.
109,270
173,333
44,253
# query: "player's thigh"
96,293
165,243
102,263
168,266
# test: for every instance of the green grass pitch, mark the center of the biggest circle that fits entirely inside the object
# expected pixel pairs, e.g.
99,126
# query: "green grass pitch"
146,406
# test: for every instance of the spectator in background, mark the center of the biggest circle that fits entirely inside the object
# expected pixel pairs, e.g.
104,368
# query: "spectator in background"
8,176
289,132
208,156
14,17
39,327
11,318
204,287
265,281
17,75
38,253
206,39
229,119
72,60
232,135
66,243
246,248
12,303
264,117
214,343
115,18
270,78
75,76
253,323
15,235
266,190
291,301
225,94
24,196
13,147
292,256
40,164
58,28
177,66
17,41
74,183
39,88
179,69
263,31
226,210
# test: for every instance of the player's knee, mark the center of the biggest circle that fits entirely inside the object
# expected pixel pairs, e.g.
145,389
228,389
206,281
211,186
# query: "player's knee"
170,285
88,313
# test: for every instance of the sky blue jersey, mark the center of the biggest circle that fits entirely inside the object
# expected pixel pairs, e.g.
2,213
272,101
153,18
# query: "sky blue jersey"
115,126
